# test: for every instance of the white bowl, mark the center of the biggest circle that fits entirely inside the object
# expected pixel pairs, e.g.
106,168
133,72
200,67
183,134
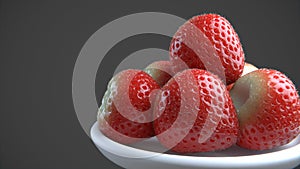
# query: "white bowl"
146,154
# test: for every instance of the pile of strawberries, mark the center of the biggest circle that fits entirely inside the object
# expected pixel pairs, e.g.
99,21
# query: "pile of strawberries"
205,98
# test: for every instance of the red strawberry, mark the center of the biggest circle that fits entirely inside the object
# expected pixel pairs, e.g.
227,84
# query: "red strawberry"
208,42
247,69
125,114
194,113
160,71
268,109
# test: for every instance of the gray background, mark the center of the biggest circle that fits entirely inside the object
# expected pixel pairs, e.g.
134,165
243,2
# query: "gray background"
39,44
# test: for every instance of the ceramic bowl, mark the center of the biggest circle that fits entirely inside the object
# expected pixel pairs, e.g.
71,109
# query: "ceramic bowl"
149,154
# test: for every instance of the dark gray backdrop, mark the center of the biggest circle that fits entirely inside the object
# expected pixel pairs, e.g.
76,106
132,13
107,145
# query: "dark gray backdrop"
39,44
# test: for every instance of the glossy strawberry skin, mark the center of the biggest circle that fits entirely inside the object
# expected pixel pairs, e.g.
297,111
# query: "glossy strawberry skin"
194,113
270,117
160,71
247,69
196,46
126,99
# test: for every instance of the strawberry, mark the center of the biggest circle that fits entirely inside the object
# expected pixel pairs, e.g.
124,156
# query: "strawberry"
160,71
247,69
208,42
268,109
194,113
125,114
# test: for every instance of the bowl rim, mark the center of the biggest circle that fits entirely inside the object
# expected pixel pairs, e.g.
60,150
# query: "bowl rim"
286,155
